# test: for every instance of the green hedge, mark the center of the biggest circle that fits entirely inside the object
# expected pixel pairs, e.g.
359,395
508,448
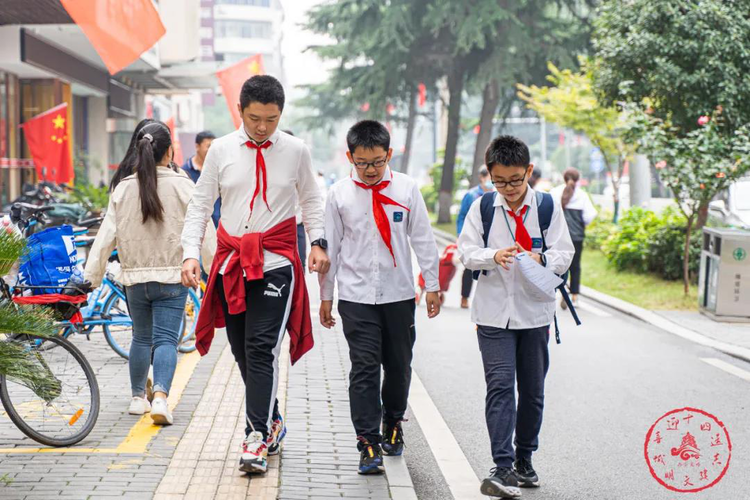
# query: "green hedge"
646,242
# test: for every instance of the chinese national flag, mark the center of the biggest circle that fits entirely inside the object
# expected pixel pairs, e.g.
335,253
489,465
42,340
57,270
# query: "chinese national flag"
175,142
232,78
47,137
119,30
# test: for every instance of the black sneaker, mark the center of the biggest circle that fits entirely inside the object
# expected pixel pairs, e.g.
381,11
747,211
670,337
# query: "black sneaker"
501,483
527,477
370,458
393,440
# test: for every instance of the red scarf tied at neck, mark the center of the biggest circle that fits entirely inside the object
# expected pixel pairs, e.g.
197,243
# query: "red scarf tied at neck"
381,219
260,167
522,235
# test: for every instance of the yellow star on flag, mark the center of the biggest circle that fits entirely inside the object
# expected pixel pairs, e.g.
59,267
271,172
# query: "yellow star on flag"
59,121
254,67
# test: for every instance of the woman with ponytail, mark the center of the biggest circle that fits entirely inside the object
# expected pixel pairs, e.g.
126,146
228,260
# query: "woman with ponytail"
579,212
144,222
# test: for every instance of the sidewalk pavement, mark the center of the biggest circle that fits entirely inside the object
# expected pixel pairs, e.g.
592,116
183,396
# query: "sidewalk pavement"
198,457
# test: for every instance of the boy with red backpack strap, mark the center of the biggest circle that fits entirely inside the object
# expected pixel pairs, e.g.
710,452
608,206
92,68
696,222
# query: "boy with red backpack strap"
512,327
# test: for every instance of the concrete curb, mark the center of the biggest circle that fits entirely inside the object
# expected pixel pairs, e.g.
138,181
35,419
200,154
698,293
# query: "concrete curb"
663,323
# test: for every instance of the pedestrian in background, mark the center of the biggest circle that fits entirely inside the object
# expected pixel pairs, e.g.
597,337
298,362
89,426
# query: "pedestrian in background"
194,166
535,176
579,212
485,185
144,221
374,219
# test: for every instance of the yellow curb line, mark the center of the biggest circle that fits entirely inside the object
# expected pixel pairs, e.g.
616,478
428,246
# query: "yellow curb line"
144,430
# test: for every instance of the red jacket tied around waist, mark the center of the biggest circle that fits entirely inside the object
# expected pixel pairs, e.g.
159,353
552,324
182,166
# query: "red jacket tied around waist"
248,257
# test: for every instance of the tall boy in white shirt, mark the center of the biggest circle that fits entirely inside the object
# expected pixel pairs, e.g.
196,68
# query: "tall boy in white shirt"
256,287
373,220
512,327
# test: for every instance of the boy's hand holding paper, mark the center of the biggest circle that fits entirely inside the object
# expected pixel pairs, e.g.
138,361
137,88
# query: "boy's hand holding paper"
538,281
505,256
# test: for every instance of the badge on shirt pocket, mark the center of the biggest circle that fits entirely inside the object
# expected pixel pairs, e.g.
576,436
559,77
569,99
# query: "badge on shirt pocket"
536,243
398,216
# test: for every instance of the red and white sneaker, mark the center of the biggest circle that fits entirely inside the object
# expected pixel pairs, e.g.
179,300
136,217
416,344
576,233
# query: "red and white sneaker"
276,436
254,458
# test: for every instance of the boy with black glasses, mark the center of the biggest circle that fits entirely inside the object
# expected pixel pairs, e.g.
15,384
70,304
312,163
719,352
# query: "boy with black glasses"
373,220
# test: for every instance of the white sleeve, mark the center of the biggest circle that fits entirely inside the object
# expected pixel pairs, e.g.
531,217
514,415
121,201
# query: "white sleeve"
589,210
104,243
560,249
422,240
310,197
471,248
334,234
201,206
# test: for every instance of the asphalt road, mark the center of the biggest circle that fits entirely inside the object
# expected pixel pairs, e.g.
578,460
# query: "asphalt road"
609,381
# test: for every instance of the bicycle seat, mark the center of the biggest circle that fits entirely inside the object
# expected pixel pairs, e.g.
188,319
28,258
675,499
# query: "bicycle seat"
89,223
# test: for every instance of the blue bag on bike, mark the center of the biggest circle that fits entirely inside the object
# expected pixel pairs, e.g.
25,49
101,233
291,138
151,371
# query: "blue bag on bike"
50,260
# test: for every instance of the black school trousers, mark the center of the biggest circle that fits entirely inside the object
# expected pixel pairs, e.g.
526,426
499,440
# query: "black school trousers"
378,335
255,339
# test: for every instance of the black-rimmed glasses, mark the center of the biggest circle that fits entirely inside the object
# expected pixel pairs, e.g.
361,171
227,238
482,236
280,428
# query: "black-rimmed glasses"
513,183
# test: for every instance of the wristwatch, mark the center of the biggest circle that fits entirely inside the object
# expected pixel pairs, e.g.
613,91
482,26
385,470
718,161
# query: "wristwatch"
321,242
543,258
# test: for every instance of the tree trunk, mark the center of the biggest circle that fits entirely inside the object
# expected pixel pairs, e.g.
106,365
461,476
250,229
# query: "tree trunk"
702,216
615,187
490,100
455,88
410,123
686,255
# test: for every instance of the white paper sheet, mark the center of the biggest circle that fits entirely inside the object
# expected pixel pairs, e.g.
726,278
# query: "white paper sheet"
538,281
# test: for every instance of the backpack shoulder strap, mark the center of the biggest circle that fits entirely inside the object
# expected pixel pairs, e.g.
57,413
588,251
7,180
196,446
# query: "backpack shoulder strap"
487,210
545,206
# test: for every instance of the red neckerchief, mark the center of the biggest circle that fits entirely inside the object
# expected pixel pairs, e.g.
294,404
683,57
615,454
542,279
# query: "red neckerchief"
260,167
381,220
522,235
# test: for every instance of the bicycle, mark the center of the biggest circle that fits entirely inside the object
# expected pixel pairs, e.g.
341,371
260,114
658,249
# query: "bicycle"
59,405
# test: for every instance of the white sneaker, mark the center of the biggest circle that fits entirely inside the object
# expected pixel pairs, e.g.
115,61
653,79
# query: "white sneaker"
160,412
139,406
254,457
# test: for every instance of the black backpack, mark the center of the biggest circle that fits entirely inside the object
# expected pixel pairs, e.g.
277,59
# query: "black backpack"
545,207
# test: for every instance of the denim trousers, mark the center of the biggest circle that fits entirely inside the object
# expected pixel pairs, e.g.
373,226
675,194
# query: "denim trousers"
156,310
513,357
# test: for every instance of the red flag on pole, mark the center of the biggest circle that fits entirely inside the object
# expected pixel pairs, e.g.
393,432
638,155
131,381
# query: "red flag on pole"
175,142
47,137
232,78
119,30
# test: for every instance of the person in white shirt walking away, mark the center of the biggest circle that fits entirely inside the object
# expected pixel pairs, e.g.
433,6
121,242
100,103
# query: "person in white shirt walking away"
374,218
512,327
256,287
579,212
144,221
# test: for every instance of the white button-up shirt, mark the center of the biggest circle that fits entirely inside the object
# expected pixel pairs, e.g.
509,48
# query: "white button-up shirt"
500,300
360,261
229,172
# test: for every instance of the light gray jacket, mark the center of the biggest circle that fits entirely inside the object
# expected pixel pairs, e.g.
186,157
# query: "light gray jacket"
150,251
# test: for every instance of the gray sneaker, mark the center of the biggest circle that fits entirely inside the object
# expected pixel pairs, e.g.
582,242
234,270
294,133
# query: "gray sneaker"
501,483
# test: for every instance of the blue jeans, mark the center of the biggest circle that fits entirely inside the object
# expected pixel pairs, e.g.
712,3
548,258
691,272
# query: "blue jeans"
156,310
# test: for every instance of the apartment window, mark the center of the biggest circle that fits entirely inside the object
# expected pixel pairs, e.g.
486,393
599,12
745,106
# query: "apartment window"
206,32
243,29
207,12
254,3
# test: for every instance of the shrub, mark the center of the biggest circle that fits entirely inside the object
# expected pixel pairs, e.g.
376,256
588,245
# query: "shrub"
599,230
666,247
627,249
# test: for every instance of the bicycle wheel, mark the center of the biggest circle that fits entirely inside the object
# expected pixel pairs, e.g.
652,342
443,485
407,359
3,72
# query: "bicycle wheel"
189,320
65,411
64,332
118,327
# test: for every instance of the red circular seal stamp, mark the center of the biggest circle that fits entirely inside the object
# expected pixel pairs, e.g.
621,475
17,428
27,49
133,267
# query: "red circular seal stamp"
688,450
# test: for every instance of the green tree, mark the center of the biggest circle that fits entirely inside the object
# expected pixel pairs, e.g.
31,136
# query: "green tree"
696,166
572,102
686,56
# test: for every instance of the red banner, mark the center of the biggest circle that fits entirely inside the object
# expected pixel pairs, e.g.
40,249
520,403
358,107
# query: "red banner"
47,137
119,30
232,78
